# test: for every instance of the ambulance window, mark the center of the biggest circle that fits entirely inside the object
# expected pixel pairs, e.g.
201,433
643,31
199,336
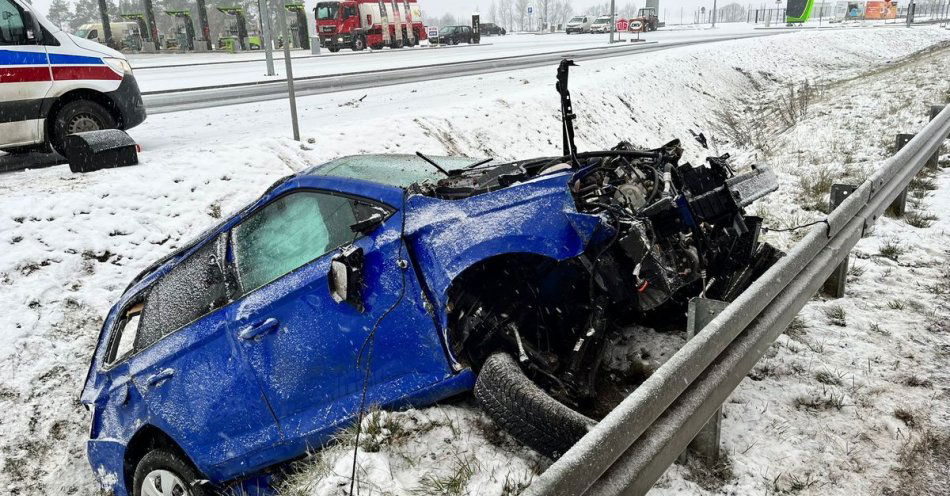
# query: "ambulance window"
12,31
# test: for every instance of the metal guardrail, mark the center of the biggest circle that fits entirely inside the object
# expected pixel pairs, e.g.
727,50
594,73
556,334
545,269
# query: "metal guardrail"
627,451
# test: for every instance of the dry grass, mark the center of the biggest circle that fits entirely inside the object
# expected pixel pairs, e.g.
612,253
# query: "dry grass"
836,315
924,466
711,478
815,190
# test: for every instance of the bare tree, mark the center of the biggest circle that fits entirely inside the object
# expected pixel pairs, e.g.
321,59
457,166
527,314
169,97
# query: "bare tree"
493,13
731,13
521,11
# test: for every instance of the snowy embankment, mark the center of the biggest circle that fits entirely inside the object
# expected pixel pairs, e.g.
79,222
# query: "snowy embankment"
828,411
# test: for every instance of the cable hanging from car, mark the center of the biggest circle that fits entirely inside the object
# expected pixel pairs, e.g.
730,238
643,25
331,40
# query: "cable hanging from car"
370,340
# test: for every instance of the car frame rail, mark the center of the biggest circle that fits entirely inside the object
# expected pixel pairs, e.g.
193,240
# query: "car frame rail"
628,451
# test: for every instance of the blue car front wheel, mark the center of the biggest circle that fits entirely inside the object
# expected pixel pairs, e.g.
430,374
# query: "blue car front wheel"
162,473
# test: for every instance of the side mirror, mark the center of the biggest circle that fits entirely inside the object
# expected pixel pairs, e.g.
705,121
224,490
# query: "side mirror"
346,277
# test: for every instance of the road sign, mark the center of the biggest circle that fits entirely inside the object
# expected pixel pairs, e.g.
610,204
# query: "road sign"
432,31
530,10
622,24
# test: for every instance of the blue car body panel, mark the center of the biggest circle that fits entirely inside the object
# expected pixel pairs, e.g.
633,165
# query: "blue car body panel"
236,406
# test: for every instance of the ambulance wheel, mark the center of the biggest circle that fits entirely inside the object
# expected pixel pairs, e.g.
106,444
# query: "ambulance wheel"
78,116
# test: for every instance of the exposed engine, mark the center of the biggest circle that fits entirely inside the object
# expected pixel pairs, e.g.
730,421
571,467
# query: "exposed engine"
671,231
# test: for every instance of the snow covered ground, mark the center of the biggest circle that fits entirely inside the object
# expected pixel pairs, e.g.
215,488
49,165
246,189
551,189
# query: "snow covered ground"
828,412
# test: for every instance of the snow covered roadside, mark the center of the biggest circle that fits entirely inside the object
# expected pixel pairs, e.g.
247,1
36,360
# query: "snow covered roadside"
73,242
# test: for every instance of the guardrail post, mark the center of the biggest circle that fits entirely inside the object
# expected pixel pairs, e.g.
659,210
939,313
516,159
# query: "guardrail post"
934,110
706,443
899,206
834,286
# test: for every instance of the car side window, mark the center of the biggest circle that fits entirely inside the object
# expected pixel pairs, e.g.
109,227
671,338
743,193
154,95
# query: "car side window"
123,340
190,290
289,233
12,28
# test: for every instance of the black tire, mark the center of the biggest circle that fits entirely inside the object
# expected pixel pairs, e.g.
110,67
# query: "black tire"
359,44
334,49
78,116
524,410
164,460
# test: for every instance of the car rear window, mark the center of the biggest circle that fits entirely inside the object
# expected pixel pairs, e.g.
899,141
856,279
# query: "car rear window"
394,170
192,289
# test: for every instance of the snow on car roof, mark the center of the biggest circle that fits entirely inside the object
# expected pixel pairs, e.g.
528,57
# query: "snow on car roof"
393,170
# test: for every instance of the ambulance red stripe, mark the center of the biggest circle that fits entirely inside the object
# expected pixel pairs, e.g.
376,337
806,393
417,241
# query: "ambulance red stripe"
68,73
24,74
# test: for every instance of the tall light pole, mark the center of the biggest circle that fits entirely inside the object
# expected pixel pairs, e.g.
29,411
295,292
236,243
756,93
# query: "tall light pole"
285,29
714,14
612,25
267,40
910,12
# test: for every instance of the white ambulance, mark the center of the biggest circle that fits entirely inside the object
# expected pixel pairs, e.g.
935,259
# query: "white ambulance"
53,83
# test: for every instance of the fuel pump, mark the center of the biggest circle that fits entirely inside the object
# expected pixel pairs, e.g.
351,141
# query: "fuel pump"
185,29
476,28
298,25
134,40
236,38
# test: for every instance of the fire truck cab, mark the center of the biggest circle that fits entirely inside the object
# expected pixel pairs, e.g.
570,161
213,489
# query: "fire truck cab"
358,24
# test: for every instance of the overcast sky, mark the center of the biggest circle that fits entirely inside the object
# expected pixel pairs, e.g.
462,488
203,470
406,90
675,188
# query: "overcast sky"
465,7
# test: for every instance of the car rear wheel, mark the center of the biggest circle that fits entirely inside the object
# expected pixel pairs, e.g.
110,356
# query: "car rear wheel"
78,116
161,473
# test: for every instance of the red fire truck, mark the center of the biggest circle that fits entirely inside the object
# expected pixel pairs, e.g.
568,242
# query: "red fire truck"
358,24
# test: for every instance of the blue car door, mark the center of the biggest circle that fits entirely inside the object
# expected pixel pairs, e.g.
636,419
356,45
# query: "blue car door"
310,351
24,77
188,369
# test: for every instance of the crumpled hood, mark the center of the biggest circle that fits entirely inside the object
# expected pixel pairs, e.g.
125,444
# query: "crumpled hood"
96,47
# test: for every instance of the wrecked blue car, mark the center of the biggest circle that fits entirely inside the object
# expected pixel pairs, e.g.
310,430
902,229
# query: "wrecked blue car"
402,280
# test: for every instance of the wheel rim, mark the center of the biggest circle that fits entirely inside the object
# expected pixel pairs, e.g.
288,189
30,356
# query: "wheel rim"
82,123
163,483
359,44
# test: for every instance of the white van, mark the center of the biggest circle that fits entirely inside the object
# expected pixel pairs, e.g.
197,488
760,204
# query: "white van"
53,83
121,31
601,25
579,24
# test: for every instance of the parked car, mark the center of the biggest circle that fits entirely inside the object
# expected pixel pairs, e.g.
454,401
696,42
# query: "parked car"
491,29
409,280
453,35
601,24
579,24
53,83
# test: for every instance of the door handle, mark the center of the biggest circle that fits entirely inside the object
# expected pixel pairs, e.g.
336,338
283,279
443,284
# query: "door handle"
159,377
254,330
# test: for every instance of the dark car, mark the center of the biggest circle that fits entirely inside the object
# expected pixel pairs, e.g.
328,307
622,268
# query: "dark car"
492,29
403,280
453,35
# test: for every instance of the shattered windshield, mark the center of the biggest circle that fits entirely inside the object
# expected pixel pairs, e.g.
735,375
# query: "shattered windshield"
327,11
393,170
